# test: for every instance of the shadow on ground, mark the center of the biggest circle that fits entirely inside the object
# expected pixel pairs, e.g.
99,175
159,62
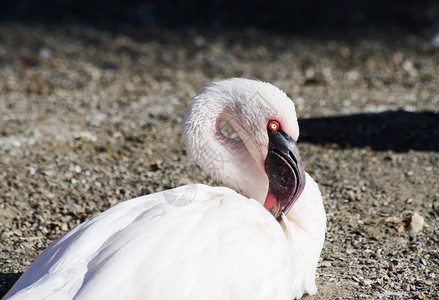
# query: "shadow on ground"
399,131
7,280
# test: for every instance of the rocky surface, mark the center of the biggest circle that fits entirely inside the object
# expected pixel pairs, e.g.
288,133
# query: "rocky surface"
91,116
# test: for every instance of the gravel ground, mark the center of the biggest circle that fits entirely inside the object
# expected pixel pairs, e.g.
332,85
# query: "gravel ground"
91,116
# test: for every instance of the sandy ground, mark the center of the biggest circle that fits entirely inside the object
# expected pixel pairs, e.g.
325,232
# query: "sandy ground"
91,116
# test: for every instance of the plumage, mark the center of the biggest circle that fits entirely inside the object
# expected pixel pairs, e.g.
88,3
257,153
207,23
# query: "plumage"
212,243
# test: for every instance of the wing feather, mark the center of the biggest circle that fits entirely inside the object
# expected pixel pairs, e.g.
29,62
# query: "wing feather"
220,246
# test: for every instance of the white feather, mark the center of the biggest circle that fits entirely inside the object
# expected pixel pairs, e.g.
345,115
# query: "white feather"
146,248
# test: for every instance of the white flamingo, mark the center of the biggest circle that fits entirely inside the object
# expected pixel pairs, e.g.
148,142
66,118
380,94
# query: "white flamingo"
221,245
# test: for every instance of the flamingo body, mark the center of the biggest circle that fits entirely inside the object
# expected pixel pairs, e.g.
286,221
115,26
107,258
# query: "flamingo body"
198,242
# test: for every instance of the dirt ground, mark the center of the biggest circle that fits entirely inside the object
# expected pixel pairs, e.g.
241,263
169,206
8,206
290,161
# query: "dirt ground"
91,116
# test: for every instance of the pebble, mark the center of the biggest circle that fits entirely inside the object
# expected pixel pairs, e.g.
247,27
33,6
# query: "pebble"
366,282
325,264
410,68
416,223
4,235
32,171
393,219
352,195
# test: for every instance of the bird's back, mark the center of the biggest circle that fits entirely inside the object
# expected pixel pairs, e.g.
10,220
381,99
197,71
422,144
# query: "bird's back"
218,245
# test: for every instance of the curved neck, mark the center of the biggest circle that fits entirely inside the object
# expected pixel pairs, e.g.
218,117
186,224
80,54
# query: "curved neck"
225,159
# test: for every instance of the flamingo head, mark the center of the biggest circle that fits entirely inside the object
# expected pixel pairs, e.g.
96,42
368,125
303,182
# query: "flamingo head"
265,164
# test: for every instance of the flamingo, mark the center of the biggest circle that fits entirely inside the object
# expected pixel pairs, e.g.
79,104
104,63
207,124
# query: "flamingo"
211,242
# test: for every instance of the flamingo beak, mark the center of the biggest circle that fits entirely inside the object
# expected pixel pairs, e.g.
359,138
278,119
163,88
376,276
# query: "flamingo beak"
286,176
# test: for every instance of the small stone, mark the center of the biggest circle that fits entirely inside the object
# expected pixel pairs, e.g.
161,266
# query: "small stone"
416,222
427,282
45,53
351,195
17,233
366,282
66,219
32,171
64,227
49,173
116,134
4,235
401,228
393,219
392,267
309,73
378,253
409,67
325,264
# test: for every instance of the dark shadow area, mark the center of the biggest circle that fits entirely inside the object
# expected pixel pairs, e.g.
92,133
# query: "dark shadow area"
311,15
399,131
7,280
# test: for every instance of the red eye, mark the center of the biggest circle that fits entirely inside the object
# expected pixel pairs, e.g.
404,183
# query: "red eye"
273,125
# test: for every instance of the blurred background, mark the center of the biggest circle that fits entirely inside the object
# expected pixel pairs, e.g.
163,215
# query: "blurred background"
270,15
92,95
